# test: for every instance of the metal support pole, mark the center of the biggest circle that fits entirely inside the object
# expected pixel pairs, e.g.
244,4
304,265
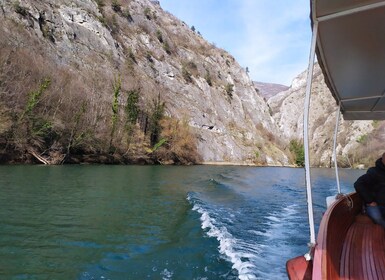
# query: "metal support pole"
306,132
335,148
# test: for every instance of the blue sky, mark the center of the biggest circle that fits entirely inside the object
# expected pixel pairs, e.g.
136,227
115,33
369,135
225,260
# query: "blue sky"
270,37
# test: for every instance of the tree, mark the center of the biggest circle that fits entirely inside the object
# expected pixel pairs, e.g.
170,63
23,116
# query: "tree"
117,86
156,114
297,149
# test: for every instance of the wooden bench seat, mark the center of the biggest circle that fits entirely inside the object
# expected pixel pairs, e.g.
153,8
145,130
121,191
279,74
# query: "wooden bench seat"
363,253
349,246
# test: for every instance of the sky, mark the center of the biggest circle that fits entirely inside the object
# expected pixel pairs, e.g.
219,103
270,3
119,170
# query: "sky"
269,37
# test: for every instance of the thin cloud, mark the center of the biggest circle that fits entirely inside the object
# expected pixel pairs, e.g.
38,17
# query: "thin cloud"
276,41
271,38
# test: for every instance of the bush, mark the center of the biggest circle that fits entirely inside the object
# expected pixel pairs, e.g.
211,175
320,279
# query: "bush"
149,57
178,144
126,14
297,149
20,9
155,116
34,97
159,36
42,128
189,69
147,13
208,78
229,89
116,6
186,75
166,47
103,21
132,108
100,4
362,139
117,86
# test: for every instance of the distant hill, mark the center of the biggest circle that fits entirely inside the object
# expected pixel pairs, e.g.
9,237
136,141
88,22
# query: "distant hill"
268,90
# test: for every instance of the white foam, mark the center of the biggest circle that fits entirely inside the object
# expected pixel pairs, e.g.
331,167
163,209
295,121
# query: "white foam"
226,245
258,232
273,219
245,254
167,275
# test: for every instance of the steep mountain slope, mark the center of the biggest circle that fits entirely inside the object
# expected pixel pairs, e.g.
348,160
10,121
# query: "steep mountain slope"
123,81
268,90
359,142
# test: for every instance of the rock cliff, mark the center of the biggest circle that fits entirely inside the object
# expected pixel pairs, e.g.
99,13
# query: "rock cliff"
358,141
74,71
124,81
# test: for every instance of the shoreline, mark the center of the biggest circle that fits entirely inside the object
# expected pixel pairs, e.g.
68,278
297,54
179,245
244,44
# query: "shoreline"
229,163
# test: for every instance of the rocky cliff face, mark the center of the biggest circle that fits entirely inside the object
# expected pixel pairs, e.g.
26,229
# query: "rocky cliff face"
65,64
124,81
358,141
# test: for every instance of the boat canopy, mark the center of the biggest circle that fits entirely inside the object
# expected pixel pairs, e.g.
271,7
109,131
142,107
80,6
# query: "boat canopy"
350,49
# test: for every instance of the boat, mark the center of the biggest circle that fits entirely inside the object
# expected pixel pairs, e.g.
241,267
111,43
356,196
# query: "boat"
348,38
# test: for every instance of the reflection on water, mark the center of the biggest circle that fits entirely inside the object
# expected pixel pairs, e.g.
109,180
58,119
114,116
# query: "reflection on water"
155,222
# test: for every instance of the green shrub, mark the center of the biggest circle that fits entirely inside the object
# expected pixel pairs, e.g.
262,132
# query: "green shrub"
20,9
159,36
48,32
147,13
113,24
149,57
116,6
102,20
257,154
192,66
155,116
166,47
117,86
101,5
229,89
131,55
126,14
186,75
34,97
362,139
41,128
208,78
189,69
297,149
159,144
132,108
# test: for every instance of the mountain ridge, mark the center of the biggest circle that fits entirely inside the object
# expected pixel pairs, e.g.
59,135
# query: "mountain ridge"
127,82
268,90
106,48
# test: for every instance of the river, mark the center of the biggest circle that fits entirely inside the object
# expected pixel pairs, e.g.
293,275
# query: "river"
156,222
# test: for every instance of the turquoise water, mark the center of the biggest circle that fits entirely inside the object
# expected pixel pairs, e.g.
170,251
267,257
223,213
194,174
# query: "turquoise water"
155,222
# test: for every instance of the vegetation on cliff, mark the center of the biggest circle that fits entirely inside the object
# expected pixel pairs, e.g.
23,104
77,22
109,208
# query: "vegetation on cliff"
123,81
52,115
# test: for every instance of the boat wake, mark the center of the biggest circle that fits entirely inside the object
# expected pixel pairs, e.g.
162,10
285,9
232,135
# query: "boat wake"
249,241
227,242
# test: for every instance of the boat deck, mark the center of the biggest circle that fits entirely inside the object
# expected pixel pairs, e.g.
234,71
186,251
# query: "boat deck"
363,252
349,246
